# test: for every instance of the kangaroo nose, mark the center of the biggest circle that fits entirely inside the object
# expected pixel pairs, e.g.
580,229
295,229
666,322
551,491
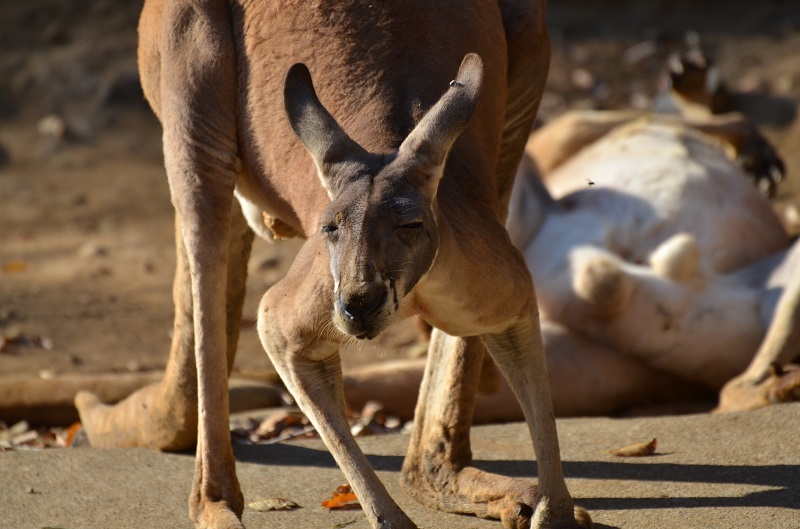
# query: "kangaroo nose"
361,307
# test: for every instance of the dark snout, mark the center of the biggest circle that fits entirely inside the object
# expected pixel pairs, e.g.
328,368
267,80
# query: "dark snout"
359,309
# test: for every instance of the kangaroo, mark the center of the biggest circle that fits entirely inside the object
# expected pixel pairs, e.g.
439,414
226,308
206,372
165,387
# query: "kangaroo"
403,211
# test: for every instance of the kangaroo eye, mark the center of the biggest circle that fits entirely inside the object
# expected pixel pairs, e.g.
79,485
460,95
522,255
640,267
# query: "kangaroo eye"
412,225
329,228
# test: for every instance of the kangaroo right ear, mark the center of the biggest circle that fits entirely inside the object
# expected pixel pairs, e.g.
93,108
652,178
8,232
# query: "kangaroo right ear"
319,132
429,143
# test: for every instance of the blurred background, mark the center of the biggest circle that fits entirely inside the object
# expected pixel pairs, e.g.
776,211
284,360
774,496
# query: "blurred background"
86,225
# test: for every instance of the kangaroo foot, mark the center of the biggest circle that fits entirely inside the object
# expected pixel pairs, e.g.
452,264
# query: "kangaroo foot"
146,418
209,514
471,491
743,393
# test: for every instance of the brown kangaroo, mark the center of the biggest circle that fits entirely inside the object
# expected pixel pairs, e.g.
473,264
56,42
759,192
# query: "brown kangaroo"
403,210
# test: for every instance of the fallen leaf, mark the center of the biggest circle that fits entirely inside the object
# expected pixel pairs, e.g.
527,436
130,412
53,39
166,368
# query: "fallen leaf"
373,413
71,432
276,423
17,429
361,430
28,438
273,504
48,438
343,497
636,450
14,267
20,427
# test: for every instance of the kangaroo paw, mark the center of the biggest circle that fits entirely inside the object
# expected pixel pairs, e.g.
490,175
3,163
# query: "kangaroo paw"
471,491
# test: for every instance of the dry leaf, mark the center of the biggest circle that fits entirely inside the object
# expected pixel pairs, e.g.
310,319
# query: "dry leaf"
276,423
636,450
14,267
7,434
273,504
70,434
343,497
28,438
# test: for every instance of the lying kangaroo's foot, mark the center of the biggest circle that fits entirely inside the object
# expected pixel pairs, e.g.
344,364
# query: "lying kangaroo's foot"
514,502
146,418
743,393
471,491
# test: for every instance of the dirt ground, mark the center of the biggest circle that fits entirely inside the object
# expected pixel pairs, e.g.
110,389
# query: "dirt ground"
86,225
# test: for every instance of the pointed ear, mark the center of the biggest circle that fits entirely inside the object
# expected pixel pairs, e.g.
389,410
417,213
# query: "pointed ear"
429,143
319,132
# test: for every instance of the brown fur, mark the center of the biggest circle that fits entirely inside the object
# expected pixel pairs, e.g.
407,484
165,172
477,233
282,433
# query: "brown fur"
403,214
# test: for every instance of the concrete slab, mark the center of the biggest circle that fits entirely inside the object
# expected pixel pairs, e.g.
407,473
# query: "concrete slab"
726,472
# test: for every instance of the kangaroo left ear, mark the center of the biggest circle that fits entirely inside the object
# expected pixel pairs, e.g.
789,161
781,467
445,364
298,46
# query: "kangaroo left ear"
326,141
429,143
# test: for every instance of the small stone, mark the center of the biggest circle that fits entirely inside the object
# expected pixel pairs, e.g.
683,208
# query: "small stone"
582,78
52,126
91,249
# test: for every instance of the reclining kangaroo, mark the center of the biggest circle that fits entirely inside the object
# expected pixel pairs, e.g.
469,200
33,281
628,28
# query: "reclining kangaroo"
408,219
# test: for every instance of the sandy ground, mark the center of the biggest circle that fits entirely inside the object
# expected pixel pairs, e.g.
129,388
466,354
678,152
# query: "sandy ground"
86,239
735,471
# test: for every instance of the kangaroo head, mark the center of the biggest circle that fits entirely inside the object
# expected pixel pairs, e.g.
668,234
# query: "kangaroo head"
381,225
